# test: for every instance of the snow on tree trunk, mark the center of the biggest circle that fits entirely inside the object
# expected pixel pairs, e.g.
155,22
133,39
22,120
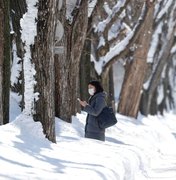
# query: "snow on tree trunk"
44,62
136,70
18,9
28,33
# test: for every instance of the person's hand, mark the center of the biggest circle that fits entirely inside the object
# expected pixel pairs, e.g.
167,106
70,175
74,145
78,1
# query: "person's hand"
83,103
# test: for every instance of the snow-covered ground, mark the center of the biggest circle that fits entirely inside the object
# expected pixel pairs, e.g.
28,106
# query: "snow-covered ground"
142,149
134,150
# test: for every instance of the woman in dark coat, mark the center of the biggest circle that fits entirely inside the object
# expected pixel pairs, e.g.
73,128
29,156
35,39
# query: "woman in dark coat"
96,104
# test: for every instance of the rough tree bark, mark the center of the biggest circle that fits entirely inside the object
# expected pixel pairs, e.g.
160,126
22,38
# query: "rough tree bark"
87,70
108,84
67,90
1,57
135,71
4,61
44,64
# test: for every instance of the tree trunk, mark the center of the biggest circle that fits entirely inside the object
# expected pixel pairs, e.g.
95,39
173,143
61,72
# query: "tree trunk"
18,8
135,71
168,89
108,85
111,89
148,94
4,61
85,70
1,58
67,88
44,63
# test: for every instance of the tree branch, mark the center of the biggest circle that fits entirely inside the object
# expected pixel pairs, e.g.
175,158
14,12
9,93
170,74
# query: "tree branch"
126,50
114,18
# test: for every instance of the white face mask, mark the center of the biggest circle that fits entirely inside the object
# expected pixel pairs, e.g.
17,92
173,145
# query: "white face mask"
91,91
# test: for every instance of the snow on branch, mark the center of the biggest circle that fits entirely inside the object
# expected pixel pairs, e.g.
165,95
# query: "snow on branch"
165,49
91,6
158,31
72,8
117,8
107,8
120,47
171,23
173,50
165,9
154,42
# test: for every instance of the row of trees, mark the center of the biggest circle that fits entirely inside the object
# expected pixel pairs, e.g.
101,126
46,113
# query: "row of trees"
141,34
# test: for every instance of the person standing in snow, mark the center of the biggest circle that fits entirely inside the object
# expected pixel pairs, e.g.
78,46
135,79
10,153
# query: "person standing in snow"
94,107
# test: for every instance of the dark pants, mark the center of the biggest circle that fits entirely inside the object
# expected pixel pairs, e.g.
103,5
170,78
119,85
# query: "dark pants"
98,136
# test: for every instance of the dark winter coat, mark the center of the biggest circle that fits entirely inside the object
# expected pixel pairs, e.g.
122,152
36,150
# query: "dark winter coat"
96,104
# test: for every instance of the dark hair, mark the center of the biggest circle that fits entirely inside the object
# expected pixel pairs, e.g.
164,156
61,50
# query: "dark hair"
97,86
